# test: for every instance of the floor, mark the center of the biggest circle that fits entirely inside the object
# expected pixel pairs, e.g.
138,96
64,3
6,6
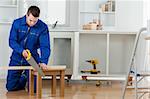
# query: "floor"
73,90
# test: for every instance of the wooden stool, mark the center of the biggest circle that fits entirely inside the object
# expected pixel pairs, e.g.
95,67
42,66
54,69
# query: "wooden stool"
52,71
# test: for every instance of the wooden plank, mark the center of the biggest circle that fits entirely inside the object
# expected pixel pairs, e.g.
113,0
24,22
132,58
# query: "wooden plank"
16,67
52,68
49,73
30,67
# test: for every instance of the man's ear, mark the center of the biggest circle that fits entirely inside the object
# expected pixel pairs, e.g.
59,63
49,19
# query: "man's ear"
27,14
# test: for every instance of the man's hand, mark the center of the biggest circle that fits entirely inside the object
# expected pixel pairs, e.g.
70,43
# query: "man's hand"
43,66
25,54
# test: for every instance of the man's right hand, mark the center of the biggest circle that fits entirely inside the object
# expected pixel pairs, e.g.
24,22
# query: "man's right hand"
25,54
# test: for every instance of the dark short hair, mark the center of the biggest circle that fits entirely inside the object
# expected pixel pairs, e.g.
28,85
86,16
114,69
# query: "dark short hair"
34,10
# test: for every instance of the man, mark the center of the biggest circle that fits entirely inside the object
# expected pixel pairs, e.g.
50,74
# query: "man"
27,32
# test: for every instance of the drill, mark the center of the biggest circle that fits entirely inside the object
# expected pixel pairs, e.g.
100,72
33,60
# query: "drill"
92,71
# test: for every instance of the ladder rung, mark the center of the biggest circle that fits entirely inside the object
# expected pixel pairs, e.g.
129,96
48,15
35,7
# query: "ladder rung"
144,73
144,91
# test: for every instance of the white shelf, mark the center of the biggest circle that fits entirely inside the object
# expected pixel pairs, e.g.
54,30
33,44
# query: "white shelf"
8,6
140,87
108,12
106,32
96,12
91,12
102,77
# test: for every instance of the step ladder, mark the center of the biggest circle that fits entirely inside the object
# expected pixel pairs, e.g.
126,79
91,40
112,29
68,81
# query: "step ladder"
131,66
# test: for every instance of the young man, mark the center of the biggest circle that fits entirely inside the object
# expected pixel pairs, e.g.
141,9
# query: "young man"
27,32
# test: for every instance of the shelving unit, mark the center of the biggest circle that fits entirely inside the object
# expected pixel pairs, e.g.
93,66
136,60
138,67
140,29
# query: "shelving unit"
89,11
102,46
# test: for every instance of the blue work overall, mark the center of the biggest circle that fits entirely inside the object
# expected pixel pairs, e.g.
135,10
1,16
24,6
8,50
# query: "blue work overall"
24,37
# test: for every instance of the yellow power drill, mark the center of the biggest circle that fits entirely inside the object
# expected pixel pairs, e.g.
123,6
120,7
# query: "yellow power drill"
92,71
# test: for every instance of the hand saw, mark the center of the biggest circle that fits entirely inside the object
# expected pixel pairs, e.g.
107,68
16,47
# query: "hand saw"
33,63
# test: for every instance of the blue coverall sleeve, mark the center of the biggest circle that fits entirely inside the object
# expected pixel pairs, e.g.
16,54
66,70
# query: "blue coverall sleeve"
44,41
13,41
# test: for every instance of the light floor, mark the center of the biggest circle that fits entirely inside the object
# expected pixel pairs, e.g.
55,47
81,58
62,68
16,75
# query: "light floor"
73,90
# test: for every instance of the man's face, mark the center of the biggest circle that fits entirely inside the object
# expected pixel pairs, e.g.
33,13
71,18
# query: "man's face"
31,20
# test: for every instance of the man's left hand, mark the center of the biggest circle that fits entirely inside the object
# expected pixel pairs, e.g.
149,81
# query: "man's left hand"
43,66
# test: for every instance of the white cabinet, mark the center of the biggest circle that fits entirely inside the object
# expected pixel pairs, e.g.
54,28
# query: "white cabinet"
8,11
90,11
62,50
111,48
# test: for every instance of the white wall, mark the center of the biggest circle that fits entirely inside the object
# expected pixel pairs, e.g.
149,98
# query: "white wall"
129,15
5,51
72,16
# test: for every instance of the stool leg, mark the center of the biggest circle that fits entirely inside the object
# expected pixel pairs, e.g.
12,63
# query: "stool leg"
53,89
39,86
62,83
31,82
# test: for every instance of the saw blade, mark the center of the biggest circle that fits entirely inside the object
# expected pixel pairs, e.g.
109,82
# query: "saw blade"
33,63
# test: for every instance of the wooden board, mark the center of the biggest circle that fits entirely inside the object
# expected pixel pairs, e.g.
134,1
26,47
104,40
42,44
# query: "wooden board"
58,67
15,67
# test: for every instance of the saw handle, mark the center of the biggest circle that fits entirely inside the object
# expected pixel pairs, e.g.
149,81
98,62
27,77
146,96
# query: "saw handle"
29,54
